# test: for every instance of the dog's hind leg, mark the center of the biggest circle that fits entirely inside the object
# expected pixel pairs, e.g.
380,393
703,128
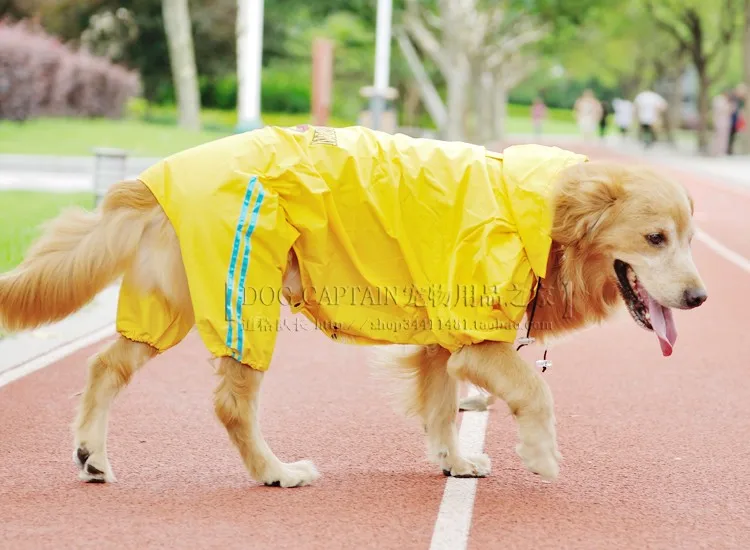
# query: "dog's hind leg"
109,372
236,402
155,304
499,369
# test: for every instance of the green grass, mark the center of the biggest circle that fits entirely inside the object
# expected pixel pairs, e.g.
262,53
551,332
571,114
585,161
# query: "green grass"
153,131
80,136
515,125
558,122
156,136
217,120
21,216
517,111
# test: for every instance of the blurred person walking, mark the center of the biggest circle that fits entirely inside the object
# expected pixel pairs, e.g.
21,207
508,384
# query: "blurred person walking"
588,112
623,114
603,116
649,107
538,116
737,121
721,108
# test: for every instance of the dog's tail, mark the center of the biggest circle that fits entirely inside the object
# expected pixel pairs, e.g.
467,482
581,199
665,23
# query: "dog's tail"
409,372
77,256
418,371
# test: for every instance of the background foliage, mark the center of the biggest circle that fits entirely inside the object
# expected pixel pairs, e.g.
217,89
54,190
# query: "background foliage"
614,48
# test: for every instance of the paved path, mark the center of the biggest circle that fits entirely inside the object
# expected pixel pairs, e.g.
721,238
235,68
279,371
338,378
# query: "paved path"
56,174
657,450
729,170
25,352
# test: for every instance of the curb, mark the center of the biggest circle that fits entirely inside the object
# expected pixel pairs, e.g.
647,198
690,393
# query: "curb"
69,165
15,372
28,351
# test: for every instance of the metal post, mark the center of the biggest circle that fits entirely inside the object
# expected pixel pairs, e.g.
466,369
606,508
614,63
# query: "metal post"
322,80
249,59
382,61
110,166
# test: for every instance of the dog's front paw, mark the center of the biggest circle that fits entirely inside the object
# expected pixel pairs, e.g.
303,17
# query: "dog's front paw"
293,474
93,466
469,466
541,459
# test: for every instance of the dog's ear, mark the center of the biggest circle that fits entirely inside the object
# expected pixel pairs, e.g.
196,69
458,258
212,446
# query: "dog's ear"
584,200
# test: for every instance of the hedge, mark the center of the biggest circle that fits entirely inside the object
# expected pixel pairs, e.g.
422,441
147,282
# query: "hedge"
283,90
40,76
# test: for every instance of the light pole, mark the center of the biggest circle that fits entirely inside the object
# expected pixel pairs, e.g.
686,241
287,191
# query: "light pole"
249,59
382,62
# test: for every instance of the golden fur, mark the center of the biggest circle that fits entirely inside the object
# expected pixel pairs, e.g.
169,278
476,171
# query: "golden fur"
601,213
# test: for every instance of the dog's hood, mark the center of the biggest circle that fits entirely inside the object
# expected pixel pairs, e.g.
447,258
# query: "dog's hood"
529,171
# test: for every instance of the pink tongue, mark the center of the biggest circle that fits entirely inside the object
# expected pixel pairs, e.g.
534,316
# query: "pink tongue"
663,325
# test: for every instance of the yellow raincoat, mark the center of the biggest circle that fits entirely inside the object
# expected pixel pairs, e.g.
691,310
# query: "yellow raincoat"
399,240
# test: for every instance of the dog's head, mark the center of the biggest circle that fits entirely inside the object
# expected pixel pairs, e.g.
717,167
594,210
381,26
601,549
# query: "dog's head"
634,228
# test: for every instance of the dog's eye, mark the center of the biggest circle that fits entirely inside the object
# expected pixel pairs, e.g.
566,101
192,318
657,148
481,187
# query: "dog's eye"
655,239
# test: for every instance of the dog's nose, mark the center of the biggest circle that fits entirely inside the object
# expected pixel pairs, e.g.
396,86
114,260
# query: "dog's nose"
694,297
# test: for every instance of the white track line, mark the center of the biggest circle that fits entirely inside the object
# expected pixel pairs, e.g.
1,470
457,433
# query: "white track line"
726,253
454,517
61,352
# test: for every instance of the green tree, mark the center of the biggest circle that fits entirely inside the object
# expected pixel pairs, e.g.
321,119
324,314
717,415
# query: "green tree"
705,31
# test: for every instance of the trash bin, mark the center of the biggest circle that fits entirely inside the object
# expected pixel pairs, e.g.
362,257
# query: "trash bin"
388,118
110,166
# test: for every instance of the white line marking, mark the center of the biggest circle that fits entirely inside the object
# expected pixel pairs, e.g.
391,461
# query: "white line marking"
454,517
19,371
726,253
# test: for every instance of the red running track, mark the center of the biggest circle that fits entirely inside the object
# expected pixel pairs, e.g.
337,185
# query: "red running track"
656,450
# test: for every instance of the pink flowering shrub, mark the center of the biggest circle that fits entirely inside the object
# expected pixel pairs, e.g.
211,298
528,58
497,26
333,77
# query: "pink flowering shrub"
39,76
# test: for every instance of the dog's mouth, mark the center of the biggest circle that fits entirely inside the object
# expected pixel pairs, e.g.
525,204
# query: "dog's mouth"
646,311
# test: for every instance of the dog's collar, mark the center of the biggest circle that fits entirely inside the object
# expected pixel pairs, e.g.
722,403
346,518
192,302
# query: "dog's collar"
541,363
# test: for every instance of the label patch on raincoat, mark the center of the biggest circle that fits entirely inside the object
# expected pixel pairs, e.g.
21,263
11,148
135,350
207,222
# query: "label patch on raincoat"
324,136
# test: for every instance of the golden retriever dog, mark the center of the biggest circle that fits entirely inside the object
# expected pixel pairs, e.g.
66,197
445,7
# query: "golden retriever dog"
621,235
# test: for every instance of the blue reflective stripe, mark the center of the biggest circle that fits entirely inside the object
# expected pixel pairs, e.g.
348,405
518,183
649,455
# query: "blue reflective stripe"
233,261
245,262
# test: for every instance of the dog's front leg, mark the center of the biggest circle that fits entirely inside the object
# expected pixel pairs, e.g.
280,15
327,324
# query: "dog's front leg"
499,369
436,399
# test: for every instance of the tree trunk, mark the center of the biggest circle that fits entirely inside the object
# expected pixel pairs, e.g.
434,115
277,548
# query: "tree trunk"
744,140
477,112
674,110
456,69
673,89
484,109
489,85
182,59
456,90
500,108
411,103
703,109
431,99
